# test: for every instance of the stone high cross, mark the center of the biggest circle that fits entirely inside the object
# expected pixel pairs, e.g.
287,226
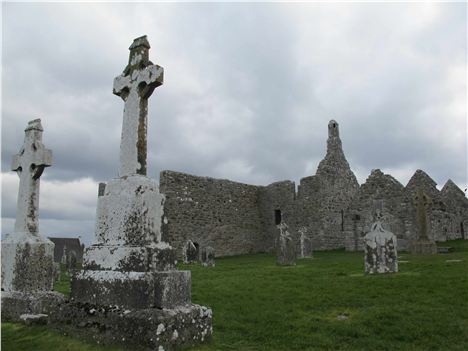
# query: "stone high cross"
29,164
423,203
135,85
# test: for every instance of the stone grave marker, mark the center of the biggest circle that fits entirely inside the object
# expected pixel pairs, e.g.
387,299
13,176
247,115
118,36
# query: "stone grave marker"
286,250
306,243
380,248
207,257
27,256
190,252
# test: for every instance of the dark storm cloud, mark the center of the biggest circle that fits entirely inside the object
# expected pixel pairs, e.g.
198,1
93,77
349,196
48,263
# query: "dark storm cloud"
248,91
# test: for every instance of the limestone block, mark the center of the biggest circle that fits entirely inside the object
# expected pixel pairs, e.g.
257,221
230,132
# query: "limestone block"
207,257
129,213
132,289
380,250
155,257
27,263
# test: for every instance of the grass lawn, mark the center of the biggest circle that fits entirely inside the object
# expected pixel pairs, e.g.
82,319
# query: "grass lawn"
258,305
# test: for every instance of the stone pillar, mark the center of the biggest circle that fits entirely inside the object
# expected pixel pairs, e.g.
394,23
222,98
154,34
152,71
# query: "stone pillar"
27,256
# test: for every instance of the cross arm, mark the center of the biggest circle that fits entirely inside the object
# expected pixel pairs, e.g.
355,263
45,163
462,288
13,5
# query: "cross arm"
43,158
151,77
121,85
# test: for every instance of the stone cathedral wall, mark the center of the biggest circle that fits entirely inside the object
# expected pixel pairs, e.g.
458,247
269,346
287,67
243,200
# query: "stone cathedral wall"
215,212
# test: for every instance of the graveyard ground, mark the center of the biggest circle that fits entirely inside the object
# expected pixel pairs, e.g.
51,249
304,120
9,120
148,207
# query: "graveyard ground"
324,303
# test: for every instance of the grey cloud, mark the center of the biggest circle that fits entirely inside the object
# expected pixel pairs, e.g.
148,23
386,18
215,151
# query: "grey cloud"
249,88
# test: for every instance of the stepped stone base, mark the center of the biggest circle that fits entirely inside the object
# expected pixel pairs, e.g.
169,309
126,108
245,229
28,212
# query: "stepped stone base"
132,289
145,329
15,304
423,247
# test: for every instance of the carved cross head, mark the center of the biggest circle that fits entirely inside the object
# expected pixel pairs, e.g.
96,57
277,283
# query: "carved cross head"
422,200
140,74
33,156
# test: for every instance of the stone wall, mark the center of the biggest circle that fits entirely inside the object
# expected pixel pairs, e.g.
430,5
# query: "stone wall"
215,212
276,201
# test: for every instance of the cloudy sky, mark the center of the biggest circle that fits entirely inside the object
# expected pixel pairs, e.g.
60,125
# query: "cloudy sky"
248,92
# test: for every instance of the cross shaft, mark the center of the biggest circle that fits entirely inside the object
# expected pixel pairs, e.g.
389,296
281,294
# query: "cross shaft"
135,85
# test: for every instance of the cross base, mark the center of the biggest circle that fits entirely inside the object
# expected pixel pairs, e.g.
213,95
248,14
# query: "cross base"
132,289
27,263
148,329
423,247
156,257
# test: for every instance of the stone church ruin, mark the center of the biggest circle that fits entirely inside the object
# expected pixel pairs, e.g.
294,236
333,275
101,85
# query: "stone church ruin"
330,206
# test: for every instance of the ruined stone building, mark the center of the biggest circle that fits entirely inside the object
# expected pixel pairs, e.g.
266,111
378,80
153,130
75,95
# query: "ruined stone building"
330,207
68,251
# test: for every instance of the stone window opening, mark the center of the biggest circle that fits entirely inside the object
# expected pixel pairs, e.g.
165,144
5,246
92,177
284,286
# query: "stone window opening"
342,220
462,230
277,217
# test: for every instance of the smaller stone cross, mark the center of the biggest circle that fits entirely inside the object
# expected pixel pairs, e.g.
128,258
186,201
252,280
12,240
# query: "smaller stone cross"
135,85
422,202
29,164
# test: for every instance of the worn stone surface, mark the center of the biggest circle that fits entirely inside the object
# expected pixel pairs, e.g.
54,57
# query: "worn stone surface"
286,248
135,329
207,256
15,304
380,250
190,252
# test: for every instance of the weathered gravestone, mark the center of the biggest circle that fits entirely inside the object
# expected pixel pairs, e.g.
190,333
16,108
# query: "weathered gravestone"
380,249
423,245
286,250
207,256
190,252
306,243
130,291
27,256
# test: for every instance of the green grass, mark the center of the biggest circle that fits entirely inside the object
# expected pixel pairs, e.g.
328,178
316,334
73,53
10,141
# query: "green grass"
258,305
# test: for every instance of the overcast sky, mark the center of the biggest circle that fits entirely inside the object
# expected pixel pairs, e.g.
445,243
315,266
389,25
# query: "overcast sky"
248,92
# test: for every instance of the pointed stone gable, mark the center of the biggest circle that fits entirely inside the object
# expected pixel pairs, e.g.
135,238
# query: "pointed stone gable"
450,189
382,184
422,179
